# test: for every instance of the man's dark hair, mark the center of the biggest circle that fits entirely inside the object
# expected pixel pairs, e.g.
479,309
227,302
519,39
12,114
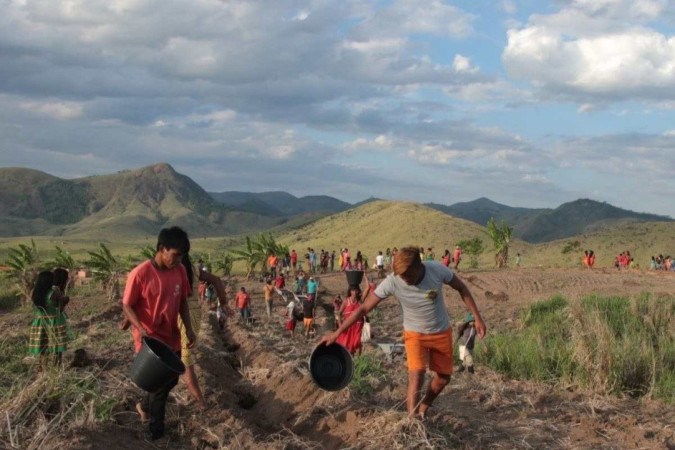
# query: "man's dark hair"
173,238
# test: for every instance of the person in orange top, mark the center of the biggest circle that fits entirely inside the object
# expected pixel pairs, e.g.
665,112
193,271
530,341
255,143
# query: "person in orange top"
272,262
243,301
586,259
268,293
155,295
591,259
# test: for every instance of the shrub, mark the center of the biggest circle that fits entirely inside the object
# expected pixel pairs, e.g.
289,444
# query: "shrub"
612,344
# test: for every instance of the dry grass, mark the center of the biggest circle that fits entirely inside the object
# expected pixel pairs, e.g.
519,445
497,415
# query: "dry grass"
393,429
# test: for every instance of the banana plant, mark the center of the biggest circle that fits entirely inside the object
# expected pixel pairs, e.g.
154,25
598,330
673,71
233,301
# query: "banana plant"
24,264
107,270
501,238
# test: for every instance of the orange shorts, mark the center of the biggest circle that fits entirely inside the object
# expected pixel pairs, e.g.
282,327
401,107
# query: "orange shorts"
434,348
308,322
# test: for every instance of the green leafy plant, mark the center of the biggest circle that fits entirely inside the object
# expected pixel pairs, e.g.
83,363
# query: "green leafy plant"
223,263
500,233
368,372
24,264
472,247
106,269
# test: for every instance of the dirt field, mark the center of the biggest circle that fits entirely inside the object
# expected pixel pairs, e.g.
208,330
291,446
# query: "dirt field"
261,395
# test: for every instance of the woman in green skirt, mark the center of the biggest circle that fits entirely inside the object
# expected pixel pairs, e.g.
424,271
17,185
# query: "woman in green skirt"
49,330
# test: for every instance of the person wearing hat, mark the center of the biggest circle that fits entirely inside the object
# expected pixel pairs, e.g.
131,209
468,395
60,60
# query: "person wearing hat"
467,336
418,287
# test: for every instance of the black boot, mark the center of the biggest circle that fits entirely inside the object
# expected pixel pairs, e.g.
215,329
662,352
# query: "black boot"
470,369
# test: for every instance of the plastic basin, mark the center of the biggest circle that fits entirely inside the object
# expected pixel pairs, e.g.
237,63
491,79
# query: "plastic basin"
331,367
354,277
155,365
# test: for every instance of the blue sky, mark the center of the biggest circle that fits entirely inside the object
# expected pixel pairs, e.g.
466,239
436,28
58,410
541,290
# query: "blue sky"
529,103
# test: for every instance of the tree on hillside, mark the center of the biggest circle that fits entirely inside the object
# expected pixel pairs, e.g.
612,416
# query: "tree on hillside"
472,247
501,238
107,270
24,264
64,260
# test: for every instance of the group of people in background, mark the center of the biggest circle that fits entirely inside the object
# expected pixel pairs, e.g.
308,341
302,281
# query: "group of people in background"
661,262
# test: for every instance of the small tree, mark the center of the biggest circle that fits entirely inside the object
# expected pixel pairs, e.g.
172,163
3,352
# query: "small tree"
501,237
24,264
474,248
223,263
107,270
252,255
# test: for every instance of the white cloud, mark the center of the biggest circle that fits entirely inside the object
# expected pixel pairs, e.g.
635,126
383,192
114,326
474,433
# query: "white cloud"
595,51
463,64
59,110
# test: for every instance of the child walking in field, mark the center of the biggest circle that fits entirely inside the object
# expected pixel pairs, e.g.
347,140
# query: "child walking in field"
49,329
467,337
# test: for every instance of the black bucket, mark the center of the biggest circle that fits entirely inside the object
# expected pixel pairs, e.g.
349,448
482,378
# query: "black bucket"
354,277
155,365
331,367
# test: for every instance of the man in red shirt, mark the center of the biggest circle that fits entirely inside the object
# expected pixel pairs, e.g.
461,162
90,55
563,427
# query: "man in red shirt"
280,281
243,301
155,295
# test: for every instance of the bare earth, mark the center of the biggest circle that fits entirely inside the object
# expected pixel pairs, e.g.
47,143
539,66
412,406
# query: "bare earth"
261,395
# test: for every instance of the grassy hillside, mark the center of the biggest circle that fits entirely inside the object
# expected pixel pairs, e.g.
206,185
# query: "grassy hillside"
642,239
381,224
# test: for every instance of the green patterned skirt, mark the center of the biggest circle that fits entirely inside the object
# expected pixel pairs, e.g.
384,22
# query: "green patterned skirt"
48,334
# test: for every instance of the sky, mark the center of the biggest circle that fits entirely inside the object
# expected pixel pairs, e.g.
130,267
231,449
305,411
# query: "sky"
529,103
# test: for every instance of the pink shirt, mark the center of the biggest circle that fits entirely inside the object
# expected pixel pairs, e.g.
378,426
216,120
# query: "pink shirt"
155,296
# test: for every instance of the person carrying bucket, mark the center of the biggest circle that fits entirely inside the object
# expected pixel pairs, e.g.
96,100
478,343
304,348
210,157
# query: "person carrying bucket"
418,286
154,297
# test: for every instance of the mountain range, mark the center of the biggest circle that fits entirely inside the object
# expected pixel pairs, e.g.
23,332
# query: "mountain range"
139,202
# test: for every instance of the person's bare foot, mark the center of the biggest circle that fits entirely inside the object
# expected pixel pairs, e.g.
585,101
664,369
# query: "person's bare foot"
141,412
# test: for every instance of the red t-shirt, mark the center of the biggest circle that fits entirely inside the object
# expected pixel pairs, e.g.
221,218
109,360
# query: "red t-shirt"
294,257
155,296
279,283
242,299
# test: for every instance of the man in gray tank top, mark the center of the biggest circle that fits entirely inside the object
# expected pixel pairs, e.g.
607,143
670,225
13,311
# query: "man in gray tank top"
418,286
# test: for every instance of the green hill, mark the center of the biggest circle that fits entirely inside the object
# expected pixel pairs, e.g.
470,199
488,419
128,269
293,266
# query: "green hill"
128,203
279,203
380,224
543,225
